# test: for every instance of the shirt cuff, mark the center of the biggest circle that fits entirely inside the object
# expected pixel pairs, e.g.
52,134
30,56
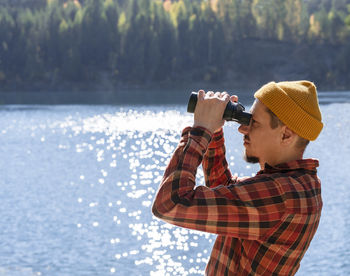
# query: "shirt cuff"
186,131
200,135
217,139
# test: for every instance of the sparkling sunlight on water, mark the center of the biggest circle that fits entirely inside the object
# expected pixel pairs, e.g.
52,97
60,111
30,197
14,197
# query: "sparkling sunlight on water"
80,181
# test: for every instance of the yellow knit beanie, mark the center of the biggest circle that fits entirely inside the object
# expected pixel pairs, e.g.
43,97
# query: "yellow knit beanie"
295,103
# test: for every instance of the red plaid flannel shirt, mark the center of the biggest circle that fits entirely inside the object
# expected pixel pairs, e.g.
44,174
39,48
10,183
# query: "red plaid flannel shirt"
264,223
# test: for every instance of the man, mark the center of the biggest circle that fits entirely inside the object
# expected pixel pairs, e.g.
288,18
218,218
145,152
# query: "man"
264,223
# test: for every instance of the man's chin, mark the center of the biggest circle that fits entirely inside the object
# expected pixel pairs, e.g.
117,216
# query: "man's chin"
251,159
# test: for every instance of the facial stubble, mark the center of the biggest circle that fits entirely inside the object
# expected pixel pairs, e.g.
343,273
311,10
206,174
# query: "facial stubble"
250,158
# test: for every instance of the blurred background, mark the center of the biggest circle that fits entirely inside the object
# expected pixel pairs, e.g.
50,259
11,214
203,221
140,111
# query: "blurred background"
93,99
112,49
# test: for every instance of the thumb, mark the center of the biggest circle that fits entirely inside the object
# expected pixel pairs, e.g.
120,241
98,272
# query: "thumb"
234,98
201,95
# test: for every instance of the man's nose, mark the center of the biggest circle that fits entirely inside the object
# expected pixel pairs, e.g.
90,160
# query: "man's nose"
243,129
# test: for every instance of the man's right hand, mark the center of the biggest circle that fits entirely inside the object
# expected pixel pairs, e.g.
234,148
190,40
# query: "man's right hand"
210,108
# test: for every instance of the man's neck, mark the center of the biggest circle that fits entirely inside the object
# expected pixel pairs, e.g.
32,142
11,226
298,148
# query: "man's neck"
281,160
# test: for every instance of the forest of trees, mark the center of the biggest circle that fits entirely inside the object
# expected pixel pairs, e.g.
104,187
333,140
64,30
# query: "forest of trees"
140,42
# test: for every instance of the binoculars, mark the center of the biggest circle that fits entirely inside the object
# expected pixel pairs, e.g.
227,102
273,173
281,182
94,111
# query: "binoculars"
233,111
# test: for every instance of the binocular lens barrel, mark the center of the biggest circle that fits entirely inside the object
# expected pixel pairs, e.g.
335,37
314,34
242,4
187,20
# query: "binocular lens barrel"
233,111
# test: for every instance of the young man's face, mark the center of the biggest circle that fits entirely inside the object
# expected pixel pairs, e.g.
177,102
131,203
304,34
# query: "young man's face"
261,142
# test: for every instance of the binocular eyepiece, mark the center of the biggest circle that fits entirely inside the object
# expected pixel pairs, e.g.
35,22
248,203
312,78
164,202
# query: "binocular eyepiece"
233,111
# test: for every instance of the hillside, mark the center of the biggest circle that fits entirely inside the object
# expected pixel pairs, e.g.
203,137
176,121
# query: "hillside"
106,44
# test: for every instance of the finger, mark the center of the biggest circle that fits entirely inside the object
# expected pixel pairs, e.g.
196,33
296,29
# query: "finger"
210,93
224,93
226,97
217,94
234,98
201,94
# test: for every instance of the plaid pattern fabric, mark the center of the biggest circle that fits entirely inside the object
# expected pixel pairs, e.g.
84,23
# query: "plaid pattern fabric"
264,223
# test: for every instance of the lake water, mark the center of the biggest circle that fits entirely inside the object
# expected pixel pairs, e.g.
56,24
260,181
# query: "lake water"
77,183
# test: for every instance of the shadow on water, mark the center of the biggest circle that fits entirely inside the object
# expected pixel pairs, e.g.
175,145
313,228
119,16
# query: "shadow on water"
132,97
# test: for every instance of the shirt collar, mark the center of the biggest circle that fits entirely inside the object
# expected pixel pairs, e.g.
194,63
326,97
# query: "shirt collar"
307,164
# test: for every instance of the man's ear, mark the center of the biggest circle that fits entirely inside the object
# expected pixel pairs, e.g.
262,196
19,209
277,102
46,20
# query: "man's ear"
288,136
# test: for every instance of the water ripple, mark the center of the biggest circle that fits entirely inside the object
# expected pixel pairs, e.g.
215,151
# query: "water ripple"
79,183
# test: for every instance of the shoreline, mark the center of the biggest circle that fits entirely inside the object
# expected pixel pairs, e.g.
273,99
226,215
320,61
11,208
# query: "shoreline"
133,97
106,93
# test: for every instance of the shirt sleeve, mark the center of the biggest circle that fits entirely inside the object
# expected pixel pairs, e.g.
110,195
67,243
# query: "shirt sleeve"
215,166
247,209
